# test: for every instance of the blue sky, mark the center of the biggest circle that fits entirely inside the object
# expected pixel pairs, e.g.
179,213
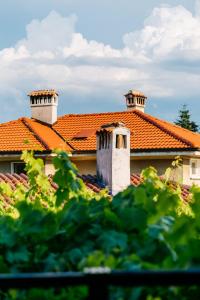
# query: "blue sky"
92,52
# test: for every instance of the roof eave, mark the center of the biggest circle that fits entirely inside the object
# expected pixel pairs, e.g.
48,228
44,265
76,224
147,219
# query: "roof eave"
76,152
142,150
164,149
19,152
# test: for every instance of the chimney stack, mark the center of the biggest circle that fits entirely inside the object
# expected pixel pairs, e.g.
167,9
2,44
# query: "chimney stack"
113,156
135,100
44,105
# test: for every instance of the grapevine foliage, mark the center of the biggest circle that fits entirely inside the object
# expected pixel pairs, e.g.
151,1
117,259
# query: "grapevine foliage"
71,228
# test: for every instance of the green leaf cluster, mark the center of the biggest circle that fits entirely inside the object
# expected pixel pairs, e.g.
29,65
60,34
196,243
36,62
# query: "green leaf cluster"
145,227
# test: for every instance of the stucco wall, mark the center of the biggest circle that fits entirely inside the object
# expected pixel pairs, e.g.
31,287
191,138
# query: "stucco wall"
45,113
182,174
113,159
160,164
120,162
86,166
5,167
49,167
89,166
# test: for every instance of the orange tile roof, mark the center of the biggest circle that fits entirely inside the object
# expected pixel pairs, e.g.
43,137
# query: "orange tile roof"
69,133
28,134
16,136
48,137
147,132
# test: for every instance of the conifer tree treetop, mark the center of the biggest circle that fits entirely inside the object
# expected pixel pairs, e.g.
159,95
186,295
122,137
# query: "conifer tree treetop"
184,120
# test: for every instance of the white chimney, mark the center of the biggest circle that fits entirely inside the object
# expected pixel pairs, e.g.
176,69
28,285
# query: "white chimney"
113,156
44,105
135,100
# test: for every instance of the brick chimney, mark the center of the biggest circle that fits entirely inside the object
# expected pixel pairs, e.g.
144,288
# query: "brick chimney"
135,100
43,105
113,156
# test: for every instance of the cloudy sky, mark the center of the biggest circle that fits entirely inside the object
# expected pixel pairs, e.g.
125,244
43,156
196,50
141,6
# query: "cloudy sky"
93,52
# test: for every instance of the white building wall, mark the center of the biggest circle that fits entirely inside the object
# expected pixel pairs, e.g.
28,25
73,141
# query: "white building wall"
49,167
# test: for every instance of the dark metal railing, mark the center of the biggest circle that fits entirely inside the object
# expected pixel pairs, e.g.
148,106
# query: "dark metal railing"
98,283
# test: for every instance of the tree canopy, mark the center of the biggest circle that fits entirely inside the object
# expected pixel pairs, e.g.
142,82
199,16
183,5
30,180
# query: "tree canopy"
184,120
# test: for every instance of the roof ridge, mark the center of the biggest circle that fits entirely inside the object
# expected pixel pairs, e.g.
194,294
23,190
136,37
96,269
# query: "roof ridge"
26,122
125,112
179,127
155,121
94,114
9,122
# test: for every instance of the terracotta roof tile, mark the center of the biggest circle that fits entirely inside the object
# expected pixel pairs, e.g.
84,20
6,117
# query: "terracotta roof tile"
16,136
146,132
78,132
43,93
48,137
28,134
85,133
136,93
94,184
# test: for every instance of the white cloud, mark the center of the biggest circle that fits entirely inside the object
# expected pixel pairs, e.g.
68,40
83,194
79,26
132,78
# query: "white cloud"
80,47
157,59
54,55
50,34
197,9
169,33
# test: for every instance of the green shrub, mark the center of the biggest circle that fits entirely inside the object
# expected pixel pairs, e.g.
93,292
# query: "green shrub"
145,227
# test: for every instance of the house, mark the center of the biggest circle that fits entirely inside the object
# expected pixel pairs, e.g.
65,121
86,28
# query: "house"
153,142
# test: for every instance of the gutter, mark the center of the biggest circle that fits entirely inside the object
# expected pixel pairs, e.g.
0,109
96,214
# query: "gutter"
92,154
141,154
165,153
18,154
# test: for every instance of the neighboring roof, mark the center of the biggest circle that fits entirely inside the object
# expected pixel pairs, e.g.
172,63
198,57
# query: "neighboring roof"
90,181
16,179
43,93
147,132
77,133
28,134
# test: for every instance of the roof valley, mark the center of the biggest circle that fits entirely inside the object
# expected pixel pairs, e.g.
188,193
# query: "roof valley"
37,136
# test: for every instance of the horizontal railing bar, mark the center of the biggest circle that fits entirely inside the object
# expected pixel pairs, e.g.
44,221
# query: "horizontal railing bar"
115,278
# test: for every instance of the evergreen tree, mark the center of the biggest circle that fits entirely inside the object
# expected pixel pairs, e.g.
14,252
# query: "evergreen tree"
184,120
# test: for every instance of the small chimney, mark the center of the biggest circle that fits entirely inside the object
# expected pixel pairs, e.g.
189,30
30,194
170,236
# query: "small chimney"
113,156
135,100
44,105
